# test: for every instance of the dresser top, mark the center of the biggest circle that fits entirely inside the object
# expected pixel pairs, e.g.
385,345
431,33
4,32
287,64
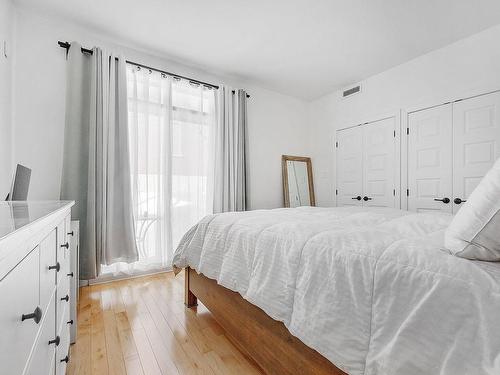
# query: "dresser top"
15,215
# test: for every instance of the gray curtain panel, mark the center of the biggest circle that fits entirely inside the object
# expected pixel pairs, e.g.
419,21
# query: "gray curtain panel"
230,185
76,145
100,159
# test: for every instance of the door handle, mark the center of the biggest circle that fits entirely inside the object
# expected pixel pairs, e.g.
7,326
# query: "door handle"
72,233
444,200
65,359
459,201
366,199
358,198
66,245
65,298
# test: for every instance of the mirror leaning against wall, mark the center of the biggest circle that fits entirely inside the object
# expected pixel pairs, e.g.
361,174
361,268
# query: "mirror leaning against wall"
298,188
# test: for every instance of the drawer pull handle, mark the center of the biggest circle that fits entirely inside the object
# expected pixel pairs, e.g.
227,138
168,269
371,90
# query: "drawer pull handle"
366,199
66,245
35,315
72,233
70,274
358,198
65,298
70,322
57,267
459,201
65,359
56,341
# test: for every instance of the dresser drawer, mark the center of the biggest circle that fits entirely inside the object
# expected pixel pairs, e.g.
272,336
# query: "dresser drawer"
63,250
64,275
67,223
42,359
64,317
62,356
62,352
62,240
47,271
63,302
20,294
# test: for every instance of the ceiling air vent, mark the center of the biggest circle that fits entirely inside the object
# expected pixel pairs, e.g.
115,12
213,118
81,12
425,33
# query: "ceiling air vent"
351,91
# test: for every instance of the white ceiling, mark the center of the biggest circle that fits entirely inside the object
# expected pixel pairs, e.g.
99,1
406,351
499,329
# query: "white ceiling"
304,48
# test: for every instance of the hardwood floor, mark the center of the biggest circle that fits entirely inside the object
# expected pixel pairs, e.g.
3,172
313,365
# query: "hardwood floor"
140,326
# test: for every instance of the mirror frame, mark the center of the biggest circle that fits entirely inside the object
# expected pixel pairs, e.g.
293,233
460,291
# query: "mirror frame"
307,160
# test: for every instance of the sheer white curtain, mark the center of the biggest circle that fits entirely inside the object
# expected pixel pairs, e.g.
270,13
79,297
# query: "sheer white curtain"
172,126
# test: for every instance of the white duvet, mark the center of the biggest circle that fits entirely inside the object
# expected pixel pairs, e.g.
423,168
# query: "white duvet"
369,289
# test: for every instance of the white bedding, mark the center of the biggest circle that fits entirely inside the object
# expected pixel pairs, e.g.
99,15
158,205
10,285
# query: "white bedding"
370,289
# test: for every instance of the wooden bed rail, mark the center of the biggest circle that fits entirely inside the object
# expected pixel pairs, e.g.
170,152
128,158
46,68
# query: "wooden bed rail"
265,340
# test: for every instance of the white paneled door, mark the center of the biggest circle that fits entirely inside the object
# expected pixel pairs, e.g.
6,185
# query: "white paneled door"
350,167
476,143
366,165
379,157
430,159
450,149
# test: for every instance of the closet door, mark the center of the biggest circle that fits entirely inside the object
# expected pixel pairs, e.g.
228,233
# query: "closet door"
430,159
379,163
476,143
350,167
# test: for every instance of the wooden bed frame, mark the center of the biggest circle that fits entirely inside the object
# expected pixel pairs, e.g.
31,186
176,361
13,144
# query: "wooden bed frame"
263,339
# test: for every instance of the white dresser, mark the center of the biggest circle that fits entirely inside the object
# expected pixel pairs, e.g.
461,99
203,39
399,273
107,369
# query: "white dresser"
36,279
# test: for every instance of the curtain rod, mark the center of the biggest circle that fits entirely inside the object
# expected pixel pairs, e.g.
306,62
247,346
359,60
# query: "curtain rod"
67,45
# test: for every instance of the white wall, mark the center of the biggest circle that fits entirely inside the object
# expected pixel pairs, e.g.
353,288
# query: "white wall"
277,123
6,26
462,69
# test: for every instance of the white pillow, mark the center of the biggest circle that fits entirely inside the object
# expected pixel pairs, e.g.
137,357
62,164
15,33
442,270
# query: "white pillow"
474,232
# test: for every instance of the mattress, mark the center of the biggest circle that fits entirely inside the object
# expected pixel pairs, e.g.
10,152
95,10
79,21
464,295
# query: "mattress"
371,289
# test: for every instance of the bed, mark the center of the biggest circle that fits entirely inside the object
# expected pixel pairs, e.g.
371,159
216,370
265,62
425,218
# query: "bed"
345,290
